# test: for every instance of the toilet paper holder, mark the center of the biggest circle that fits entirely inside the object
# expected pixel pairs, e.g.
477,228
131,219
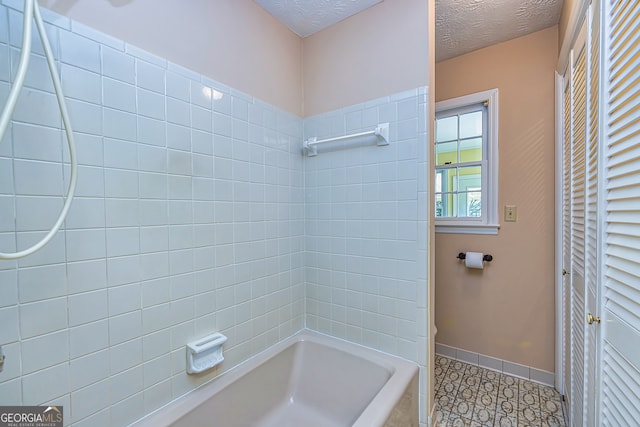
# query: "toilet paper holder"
486,258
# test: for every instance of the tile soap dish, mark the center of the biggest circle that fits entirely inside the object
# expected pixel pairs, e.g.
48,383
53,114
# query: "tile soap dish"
205,353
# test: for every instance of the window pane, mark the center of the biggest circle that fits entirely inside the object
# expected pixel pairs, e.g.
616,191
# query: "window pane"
446,152
471,124
470,178
469,204
471,150
445,206
447,129
473,204
439,207
449,179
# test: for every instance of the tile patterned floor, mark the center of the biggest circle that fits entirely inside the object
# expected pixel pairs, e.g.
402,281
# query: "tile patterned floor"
471,396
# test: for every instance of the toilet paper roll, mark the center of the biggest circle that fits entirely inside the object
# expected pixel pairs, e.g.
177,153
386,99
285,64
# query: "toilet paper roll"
474,260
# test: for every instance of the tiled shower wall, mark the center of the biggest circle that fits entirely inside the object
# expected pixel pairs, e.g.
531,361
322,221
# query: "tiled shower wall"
189,219
366,228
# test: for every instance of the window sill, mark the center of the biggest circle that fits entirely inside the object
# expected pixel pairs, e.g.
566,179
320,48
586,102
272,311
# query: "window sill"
487,229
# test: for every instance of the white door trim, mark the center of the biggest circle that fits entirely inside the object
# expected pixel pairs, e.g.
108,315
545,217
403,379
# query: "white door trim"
559,292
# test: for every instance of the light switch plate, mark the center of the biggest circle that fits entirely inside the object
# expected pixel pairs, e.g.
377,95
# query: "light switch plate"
510,213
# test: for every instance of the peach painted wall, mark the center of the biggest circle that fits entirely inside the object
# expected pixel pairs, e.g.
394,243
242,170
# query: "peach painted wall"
235,42
378,52
507,310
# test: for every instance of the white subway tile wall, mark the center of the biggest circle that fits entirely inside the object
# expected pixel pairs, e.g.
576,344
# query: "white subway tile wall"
357,264
189,219
366,255
195,212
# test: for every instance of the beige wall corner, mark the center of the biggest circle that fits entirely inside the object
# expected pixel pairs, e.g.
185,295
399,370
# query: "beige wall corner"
378,52
507,310
235,42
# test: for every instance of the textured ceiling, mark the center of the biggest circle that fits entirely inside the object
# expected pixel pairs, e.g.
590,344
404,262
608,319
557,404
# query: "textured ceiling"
463,26
305,17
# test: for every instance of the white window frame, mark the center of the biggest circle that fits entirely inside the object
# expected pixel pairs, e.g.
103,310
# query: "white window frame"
488,222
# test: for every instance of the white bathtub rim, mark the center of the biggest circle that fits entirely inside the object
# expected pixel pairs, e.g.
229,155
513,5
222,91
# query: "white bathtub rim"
376,413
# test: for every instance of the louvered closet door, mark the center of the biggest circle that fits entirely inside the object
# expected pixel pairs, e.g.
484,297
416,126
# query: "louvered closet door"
581,227
592,227
621,278
577,203
566,238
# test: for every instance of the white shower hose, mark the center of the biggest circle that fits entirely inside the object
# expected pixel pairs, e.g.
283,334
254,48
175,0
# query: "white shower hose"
32,11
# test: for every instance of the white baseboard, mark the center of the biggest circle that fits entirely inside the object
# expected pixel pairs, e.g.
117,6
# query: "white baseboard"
499,365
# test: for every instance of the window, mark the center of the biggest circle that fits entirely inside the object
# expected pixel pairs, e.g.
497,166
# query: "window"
466,164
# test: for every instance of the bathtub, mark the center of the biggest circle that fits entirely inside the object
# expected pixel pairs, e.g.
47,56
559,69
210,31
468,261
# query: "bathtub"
309,380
